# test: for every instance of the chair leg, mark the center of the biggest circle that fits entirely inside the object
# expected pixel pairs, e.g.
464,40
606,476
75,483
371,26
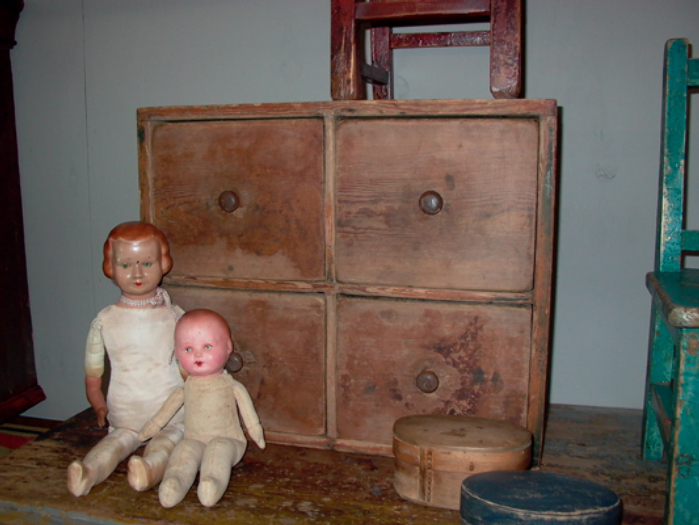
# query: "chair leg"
345,70
506,48
660,355
682,506
382,57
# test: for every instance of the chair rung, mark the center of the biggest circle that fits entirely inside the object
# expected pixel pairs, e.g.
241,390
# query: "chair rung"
662,400
390,13
693,72
690,240
458,38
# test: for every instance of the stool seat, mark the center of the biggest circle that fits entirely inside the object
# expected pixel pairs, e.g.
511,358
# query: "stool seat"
536,497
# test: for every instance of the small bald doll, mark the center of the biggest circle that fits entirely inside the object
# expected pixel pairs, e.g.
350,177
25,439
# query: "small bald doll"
213,441
138,335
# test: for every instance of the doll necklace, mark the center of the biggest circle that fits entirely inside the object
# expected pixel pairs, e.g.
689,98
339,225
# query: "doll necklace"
161,298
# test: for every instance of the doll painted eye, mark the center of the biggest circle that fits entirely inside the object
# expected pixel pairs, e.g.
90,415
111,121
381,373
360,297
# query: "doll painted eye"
147,264
208,347
125,266
187,350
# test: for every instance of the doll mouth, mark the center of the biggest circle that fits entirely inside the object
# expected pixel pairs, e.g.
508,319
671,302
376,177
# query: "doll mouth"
198,363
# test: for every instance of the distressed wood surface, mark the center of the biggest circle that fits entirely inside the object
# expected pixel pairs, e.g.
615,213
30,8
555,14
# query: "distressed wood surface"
485,172
438,211
281,485
293,486
277,230
384,346
345,71
533,108
604,445
506,44
671,424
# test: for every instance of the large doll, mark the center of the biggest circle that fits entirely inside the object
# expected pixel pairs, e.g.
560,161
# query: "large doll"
137,333
213,437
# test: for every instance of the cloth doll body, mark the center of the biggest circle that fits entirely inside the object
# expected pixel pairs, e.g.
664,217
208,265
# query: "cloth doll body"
138,335
213,441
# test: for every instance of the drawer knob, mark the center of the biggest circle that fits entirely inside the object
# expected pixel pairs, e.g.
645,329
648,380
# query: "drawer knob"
431,202
229,201
235,363
427,381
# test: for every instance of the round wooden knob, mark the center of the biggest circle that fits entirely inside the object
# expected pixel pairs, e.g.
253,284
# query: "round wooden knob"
431,202
235,363
427,381
229,201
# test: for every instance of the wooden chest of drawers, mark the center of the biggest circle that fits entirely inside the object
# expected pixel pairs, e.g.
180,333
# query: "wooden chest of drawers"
374,259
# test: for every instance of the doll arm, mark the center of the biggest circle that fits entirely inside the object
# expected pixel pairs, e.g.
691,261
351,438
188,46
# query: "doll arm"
94,369
172,404
93,389
249,415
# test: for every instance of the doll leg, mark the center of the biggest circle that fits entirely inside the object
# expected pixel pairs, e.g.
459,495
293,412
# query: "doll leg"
101,461
220,456
146,471
180,472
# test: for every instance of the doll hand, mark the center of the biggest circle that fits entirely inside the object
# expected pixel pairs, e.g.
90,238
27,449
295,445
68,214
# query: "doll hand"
258,435
102,416
150,429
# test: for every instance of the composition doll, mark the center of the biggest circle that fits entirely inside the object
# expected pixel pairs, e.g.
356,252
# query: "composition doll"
213,437
138,335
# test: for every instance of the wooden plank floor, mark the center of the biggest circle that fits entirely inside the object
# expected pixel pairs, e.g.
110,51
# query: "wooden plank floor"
292,486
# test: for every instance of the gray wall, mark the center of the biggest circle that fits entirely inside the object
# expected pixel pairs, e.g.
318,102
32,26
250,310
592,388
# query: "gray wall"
82,67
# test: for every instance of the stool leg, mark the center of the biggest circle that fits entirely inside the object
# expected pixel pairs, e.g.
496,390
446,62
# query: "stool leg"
660,350
682,506
505,48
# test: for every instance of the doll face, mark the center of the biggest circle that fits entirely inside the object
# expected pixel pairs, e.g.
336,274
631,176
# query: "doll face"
202,346
136,267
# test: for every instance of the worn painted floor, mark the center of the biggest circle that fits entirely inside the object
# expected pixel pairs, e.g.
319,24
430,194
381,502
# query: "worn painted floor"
292,486
604,445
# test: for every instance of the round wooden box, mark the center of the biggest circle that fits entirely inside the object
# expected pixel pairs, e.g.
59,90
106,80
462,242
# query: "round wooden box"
434,454
535,497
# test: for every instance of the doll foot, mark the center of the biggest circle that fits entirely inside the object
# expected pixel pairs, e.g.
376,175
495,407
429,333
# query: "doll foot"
210,491
171,492
140,474
79,482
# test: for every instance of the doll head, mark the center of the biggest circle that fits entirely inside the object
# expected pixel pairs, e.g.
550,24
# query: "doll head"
136,256
202,342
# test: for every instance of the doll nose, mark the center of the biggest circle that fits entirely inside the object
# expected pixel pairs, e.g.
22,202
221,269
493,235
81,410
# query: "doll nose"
138,270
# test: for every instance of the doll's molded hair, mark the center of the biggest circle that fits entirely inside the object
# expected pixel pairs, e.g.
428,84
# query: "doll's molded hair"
210,314
135,231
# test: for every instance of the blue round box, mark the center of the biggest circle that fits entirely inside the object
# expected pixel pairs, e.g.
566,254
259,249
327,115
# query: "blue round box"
534,497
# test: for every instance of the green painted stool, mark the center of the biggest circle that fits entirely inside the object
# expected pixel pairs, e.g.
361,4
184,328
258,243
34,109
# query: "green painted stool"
671,405
533,497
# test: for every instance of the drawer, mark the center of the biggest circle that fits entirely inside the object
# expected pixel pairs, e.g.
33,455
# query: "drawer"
281,337
480,355
274,167
483,170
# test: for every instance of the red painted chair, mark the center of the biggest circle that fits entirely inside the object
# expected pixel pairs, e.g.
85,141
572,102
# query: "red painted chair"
350,18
